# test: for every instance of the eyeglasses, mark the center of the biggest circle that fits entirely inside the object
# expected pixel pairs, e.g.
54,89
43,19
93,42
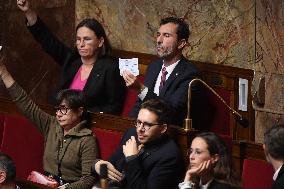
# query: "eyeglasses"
62,109
196,151
145,126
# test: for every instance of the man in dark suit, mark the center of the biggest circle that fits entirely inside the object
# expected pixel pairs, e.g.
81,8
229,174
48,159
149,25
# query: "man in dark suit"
146,157
274,151
168,77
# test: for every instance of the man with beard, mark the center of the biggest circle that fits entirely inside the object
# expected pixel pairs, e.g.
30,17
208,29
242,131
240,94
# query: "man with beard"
168,77
146,156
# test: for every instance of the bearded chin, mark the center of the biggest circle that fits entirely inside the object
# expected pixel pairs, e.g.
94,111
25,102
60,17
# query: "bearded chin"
165,54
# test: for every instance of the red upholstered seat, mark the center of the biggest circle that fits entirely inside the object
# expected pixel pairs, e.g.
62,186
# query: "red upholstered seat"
130,98
108,141
1,128
24,143
257,174
221,114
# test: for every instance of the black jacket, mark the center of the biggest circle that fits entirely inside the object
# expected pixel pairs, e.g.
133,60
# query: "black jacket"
160,166
105,88
279,182
175,92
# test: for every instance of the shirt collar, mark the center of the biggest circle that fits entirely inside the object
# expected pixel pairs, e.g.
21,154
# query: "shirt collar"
171,67
276,173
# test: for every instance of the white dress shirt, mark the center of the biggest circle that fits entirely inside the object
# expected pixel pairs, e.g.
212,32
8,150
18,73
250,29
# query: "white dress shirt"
169,70
276,173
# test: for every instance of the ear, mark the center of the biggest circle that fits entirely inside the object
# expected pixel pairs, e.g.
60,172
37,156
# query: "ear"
81,110
265,150
181,43
164,128
215,158
101,42
2,177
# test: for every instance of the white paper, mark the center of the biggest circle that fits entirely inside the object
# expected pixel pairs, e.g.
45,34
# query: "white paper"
129,64
0,48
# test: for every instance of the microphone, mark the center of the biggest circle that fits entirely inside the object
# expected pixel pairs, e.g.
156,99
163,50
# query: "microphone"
103,176
188,121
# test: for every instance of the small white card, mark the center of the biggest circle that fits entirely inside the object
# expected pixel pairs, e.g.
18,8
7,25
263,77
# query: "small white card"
0,47
129,64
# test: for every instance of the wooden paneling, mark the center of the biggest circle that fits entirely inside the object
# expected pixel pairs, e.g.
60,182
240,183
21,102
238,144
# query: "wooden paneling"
246,150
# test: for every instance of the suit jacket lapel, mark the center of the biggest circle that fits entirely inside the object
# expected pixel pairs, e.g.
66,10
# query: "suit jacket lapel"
281,172
94,76
175,74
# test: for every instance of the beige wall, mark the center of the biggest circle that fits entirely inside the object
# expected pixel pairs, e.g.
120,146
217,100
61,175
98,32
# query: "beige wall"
270,62
222,33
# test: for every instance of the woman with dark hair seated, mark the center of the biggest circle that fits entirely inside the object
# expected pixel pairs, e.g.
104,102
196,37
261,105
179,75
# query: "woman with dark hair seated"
89,67
210,164
69,146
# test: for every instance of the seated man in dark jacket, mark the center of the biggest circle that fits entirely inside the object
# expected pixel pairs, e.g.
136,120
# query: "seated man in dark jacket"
146,157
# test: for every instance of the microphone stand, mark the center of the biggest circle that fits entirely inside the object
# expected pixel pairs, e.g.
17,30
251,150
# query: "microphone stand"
188,121
103,175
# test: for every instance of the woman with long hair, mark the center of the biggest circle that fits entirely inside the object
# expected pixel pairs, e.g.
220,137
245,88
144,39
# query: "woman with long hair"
87,67
210,164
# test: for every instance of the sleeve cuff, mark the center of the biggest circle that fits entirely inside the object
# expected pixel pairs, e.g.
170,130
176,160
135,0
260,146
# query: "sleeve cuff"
129,158
185,185
143,93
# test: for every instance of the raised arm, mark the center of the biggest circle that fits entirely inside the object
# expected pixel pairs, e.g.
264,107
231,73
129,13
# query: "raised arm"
49,42
24,5
6,77
26,106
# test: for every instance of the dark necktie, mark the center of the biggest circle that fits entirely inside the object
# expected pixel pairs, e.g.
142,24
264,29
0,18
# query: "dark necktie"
163,78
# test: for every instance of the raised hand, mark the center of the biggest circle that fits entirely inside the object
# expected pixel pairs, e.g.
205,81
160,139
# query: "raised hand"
4,74
203,169
131,147
113,173
23,5
3,68
131,81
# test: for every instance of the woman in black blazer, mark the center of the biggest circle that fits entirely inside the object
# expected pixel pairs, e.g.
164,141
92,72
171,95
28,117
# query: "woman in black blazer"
210,165
89,67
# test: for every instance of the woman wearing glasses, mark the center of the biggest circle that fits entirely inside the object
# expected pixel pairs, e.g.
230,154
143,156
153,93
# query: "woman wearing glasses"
210,165
89,67
70,148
